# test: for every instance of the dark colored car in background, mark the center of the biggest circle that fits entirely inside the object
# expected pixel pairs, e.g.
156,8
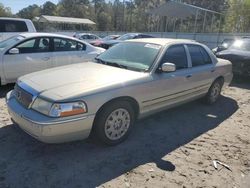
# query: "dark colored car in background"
226,43
109,43
239,55
99,42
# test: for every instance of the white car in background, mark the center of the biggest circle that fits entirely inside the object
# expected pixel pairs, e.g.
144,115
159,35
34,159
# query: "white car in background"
87,37
31,52
12,26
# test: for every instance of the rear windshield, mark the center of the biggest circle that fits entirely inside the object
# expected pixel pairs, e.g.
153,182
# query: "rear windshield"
13,26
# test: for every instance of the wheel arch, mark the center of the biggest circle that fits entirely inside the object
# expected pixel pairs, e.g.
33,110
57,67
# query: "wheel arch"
221,79
129,99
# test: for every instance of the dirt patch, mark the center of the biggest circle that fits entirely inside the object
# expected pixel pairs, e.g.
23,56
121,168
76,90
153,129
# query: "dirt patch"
174,148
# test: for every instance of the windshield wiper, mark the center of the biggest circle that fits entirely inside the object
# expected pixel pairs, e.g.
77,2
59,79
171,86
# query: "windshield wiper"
111,63
117,65
114,64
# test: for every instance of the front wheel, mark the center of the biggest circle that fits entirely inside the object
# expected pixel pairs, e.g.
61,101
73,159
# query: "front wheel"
114,122
214,91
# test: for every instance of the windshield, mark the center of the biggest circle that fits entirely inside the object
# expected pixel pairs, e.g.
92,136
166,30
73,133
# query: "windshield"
131,55
241,45
9,42
126,37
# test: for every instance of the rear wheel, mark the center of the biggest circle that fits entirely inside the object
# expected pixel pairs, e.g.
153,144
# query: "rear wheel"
114,122
214,91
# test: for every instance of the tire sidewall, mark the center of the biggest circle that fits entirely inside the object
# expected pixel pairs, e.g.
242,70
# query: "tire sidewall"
209,99
99,126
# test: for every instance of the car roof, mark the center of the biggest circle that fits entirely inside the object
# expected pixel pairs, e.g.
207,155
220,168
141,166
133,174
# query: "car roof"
85,34
163,41
132,33
37,34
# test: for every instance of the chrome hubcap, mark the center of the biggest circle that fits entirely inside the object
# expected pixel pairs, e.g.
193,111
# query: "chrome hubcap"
117,124
215,92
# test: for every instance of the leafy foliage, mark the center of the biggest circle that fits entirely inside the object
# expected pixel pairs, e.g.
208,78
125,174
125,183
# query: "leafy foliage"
132,15
4,11
238,16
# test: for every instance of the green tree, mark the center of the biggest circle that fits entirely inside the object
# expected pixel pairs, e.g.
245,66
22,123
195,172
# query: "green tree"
74,8
30,12
237,17
48,8
5,11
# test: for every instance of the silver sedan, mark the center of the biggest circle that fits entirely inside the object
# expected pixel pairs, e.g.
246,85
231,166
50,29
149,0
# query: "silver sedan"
30,52
129,81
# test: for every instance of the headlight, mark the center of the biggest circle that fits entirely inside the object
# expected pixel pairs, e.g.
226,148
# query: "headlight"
59,109
42,106
67,109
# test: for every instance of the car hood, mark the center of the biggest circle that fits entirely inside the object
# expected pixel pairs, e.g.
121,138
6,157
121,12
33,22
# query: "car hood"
79,80
234,54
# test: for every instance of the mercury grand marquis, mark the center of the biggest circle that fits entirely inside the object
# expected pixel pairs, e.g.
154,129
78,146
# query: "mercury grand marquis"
129,81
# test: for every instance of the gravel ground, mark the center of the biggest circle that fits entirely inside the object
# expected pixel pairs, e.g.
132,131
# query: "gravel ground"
174,148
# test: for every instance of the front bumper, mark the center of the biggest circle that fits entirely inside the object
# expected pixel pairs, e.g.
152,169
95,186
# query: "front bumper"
47,129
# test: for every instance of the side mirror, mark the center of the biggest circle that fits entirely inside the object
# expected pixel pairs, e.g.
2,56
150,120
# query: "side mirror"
168,67
14,51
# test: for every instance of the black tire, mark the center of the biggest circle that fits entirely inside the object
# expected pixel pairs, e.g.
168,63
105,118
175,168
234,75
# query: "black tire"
214,91
100,125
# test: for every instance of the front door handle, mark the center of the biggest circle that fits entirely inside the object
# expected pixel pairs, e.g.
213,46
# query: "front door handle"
46,58
189,76
212,70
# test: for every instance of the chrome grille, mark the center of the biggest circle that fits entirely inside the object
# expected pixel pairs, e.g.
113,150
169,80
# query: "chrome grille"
22,96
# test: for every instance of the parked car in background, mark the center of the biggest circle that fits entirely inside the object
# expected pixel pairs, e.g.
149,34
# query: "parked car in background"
239,54
226,43
111,37
13,26
87,37
131,80
109,43
30,52
99,42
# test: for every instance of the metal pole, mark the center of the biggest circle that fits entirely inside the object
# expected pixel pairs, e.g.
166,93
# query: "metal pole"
166,26
180,29
212,22
195,24
174,25
218,38
158,21
204,21
123,15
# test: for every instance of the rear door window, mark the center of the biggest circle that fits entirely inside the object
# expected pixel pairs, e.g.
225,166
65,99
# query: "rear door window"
92,37
61,45
85,37
199,55
13,26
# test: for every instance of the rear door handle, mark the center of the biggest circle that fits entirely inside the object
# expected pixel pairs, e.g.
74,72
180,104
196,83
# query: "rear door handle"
189,76
212,70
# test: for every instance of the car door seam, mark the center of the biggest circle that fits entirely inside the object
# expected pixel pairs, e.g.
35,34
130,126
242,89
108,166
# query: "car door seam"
175,93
